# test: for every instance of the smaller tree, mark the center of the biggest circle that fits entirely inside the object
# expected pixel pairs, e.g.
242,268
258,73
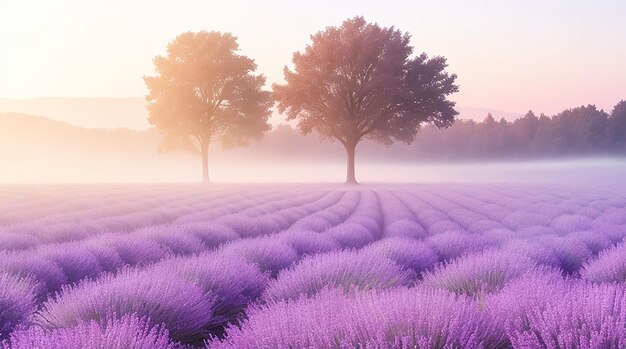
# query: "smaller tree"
359,81
616,129
581,130
524,130
204,92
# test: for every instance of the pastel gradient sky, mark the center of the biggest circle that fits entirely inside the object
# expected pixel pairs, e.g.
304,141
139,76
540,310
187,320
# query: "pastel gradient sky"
509,55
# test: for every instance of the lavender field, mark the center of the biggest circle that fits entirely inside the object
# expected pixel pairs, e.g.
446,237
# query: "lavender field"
313,266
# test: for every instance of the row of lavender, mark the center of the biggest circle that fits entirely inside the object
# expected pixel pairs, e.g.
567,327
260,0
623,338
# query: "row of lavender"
428,266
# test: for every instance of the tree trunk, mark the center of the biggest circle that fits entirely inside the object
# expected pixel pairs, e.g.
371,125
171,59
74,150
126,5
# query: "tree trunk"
205,162
350,151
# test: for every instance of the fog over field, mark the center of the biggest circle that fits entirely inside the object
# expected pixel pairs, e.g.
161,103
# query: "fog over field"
39,150
183,169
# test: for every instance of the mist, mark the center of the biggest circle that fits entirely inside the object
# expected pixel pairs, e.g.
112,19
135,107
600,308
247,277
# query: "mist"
38,150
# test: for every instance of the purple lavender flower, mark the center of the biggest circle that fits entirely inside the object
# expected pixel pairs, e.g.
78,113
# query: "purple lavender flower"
346,270
270,254
569,315
411,254
76,261
568,223
183,307
521,219
610,266
235,283
350,235
309,242
17,241
396,318
45,272
17,302
454,244
127,332
479,273
404,228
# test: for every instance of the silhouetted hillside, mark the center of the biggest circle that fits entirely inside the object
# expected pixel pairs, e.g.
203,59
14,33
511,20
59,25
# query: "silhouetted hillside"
85,112
22,133
131,112
35,148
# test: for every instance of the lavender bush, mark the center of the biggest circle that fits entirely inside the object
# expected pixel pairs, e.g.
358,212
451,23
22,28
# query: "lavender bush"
610,266
479,273
17,302
183,307
234,282
127,332
407,253
270,254
346,270
399,318
47,273
578,315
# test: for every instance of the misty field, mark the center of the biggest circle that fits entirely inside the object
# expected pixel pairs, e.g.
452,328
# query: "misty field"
313,266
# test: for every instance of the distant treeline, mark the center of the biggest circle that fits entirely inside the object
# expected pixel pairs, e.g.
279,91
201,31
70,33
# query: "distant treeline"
578,132
581,131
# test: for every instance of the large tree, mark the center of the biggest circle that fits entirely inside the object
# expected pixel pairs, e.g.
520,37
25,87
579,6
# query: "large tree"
360,81
204,91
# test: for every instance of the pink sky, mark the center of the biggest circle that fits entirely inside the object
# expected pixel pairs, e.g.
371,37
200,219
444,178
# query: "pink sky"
510,56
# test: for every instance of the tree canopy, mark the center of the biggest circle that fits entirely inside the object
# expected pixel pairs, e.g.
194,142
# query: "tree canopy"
360,81
204,91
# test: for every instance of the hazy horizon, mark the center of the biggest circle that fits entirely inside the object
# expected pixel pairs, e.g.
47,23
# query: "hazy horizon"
131,112
52,152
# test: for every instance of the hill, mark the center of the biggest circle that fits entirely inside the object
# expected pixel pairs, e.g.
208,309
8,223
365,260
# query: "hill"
131,112
85,112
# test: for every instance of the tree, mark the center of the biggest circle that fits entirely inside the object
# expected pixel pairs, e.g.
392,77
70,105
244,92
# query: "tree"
359,81
582,130
524,130
616,129
203,91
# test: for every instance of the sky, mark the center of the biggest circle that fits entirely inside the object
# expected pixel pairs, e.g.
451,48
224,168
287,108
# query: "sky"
509,55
